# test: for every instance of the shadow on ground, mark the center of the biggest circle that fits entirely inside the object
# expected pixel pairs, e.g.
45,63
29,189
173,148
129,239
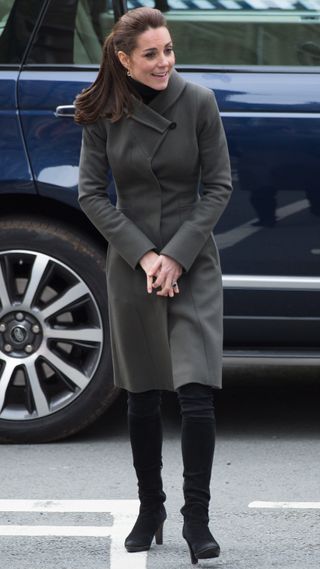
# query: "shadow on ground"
261,402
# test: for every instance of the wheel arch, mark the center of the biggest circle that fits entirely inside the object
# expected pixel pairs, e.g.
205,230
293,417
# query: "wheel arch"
38,207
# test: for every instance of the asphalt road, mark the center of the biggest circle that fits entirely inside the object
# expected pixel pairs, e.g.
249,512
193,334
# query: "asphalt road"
268,450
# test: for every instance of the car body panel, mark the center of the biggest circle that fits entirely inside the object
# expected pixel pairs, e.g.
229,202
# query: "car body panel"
274,150
262,90
15,173
54,141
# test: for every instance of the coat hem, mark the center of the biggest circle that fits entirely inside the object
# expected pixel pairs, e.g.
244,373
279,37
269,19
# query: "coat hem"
173,389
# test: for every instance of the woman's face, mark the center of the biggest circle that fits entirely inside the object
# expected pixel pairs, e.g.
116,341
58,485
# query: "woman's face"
152,61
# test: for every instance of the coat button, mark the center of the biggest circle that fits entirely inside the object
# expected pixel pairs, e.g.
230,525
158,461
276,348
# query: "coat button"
173,125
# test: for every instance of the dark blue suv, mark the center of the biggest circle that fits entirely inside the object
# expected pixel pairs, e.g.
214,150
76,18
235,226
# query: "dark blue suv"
262,59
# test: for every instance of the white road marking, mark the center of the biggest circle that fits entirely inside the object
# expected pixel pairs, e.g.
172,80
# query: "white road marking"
123,512
79,531
286,505
123,507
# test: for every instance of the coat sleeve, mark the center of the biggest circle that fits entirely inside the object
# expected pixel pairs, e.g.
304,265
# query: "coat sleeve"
191,236
130,242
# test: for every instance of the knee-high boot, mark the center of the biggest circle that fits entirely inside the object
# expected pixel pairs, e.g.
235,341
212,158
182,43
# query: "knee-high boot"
197,441
146,443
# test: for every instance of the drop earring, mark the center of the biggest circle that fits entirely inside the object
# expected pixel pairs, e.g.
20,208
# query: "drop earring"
128,73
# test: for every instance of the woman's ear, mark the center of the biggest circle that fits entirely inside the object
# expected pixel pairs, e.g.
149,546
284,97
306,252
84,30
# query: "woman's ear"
124,59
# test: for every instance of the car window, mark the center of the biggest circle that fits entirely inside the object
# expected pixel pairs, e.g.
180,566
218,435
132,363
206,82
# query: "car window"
236,32
17,20
72,32
5,9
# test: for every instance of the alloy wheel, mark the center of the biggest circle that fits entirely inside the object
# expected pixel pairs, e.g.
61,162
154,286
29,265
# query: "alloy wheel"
51,335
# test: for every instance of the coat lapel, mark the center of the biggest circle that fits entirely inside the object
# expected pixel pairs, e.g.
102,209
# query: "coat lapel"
169,96
148,123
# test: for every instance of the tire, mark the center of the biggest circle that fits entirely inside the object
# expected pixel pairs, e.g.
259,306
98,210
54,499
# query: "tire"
55,360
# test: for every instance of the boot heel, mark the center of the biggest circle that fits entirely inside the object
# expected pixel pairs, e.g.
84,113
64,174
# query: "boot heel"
194,560
159,534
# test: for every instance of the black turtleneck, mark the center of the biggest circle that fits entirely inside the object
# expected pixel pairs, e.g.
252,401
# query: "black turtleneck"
146,93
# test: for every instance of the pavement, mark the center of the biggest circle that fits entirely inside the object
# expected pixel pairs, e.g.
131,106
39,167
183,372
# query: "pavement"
70,504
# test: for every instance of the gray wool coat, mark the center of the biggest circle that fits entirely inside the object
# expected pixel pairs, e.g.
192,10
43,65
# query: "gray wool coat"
158,156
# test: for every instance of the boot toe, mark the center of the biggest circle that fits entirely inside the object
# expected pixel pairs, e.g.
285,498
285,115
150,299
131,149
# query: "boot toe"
208,551
133,546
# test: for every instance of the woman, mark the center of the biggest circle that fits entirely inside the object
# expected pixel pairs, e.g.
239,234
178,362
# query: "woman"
161,136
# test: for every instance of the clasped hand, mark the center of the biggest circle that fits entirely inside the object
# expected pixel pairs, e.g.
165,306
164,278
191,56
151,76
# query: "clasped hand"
161,271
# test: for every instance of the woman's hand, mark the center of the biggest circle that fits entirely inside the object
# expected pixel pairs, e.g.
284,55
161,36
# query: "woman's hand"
167,271
147,263
164,269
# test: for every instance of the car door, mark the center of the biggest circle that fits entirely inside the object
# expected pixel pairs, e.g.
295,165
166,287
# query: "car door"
262,61
15,171
62,60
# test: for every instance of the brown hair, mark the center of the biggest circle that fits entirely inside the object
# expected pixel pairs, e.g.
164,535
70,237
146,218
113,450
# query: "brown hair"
110,94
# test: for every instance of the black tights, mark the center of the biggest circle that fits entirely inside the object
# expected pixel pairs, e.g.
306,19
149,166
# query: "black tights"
195,399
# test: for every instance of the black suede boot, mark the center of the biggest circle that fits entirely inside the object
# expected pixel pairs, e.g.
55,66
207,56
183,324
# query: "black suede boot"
146,442
197,441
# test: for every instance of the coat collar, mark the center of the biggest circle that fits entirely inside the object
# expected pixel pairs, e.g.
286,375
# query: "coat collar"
152,115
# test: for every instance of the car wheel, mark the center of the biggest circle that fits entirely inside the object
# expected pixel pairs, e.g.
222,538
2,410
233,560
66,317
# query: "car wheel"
55,361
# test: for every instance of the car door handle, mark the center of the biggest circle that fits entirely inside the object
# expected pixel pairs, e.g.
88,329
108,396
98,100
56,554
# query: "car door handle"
64,111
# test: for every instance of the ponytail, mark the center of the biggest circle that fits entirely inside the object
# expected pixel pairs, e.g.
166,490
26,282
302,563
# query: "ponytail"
99,99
